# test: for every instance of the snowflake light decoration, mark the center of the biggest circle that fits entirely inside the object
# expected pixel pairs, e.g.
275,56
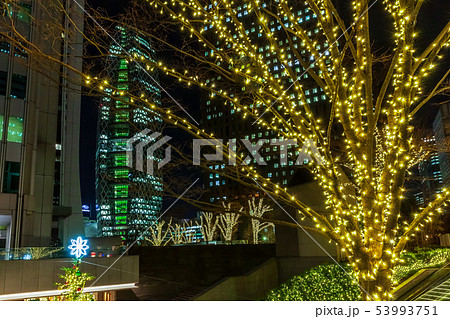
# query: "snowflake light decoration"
78,247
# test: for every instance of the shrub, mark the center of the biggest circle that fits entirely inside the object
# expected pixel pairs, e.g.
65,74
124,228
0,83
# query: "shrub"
331,283
424,258
324,283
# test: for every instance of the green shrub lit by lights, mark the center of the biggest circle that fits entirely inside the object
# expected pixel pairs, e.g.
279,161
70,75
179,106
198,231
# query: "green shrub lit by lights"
330,282
424,258
324,282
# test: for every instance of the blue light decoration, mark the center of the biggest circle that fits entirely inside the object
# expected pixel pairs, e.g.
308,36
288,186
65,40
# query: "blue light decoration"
85,208
78,247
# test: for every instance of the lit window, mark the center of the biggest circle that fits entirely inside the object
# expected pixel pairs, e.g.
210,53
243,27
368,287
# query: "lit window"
15,129
120,191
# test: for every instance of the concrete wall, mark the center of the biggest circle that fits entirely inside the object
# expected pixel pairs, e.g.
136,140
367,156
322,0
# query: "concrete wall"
252,286
31,209
167,272
298,250
18,276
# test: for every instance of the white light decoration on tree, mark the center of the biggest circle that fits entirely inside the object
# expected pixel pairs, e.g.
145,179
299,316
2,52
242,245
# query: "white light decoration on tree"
227,222
78,247
189,232
208,226
177,232
258,210
158,235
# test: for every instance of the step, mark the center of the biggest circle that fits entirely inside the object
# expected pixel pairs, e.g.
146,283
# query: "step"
188,294
440,292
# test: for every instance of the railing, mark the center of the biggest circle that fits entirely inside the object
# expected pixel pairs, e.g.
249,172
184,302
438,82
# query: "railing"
28,253
33,253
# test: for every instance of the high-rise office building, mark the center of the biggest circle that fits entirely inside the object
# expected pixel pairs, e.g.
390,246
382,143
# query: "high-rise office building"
428,181
40,200
441,129
227,121
128,200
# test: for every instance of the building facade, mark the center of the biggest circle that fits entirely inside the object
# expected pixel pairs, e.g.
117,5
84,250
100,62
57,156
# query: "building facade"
128,200
40,100
426,179
228,122
441,129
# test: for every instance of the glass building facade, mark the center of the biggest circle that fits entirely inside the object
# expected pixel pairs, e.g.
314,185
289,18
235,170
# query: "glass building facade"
128,200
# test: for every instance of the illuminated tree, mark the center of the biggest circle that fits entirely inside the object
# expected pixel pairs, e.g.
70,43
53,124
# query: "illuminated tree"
364,197
208,226
363,187
189,232
228,221
177,232
158,235
258,210
75,282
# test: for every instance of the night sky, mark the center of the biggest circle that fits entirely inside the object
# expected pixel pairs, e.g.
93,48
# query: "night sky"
433,17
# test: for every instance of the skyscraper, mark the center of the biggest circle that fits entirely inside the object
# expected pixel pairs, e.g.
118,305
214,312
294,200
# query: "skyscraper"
128,200
40,116
429,174
227,121
441,129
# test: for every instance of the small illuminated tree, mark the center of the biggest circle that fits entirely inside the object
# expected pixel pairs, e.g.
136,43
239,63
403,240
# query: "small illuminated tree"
158,235
189,232
208,226
258,210
228,221
75,281
177,232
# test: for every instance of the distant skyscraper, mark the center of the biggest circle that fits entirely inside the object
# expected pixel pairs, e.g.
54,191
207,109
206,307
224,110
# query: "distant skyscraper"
127,200
39,118
429,174
228,122
441,129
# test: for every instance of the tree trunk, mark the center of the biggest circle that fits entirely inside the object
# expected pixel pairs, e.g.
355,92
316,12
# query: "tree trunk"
368,289
376,289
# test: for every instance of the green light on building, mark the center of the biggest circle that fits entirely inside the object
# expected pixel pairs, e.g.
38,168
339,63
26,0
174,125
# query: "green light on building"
127,200
15,129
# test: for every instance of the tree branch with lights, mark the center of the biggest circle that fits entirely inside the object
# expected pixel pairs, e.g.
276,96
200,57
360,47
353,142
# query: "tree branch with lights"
228,221
208,225
365,221
258,210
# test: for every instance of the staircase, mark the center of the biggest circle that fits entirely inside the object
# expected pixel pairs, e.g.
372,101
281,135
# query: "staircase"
438,293
427,283
189,293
